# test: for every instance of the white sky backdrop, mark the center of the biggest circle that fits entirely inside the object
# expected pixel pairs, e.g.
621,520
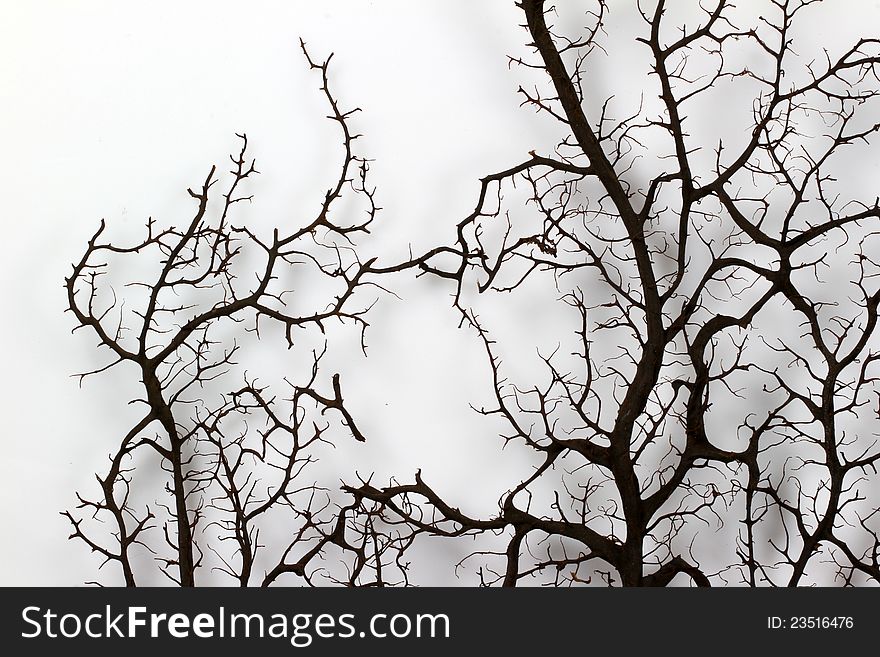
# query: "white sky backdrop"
112,109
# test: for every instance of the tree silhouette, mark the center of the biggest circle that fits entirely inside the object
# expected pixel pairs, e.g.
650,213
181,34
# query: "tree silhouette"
231,456
717,381
707,416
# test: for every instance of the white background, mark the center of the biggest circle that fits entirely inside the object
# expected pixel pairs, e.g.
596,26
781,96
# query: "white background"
112,109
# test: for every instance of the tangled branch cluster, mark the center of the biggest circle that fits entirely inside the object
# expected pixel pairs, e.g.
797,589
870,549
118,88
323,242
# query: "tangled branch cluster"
239,460
715,420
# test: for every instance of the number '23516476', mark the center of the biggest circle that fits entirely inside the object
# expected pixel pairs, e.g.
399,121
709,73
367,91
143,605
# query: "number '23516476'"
810,622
